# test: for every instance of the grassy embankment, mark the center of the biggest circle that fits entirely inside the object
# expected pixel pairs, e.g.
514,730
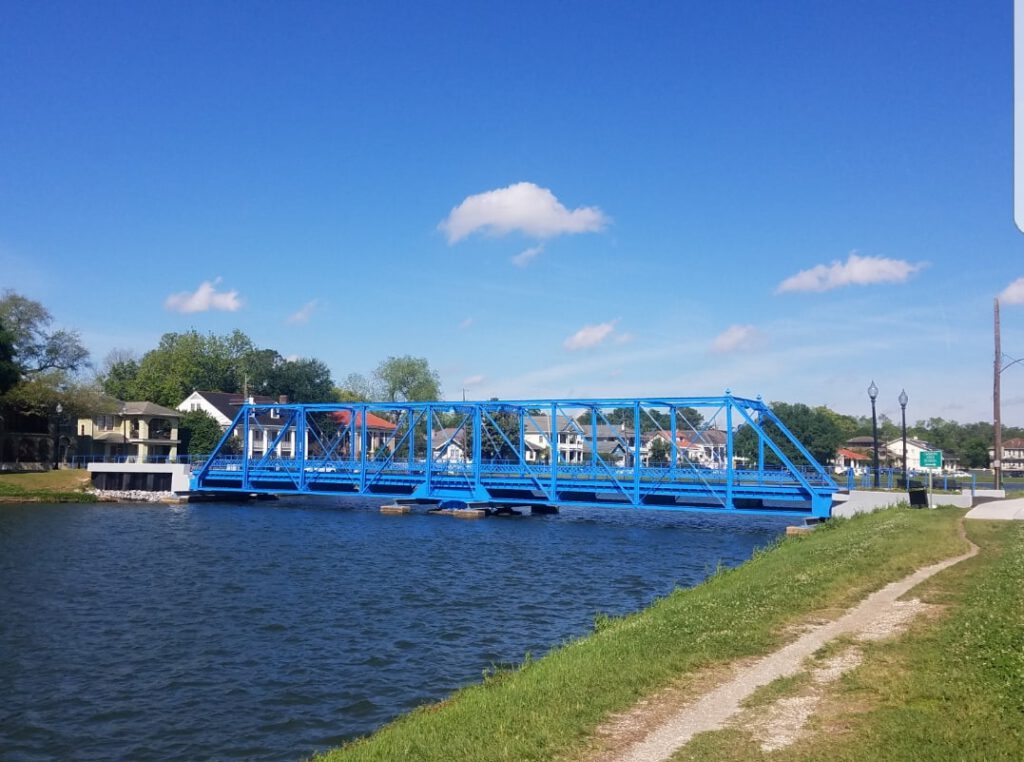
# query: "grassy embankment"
65,486
952,688
549,708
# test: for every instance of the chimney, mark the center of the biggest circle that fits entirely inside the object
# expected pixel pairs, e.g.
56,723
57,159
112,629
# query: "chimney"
283,399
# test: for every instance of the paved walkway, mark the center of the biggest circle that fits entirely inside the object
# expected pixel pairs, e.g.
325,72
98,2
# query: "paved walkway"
999,509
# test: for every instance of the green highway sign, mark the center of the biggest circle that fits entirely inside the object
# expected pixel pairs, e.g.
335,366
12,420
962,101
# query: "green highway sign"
931,459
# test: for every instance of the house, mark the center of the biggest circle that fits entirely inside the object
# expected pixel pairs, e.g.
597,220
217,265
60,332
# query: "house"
1013,456
139,431
449,445
537,439
263,430
708,448
380,433
893,452
846,459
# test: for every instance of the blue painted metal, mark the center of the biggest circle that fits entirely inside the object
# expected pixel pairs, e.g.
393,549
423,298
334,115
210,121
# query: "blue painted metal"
325,449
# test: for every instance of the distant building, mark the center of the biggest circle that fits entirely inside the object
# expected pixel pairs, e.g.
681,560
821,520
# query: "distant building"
449,445
1013,455
141,431
846,459
893,452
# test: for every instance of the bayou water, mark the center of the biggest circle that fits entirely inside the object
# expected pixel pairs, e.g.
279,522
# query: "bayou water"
269,631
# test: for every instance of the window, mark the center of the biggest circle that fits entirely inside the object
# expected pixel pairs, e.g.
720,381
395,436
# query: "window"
105,422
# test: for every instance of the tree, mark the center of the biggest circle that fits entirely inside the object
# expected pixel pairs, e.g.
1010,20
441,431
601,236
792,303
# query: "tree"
199,432
119,371
815,428
658,452
35,348
355,388
408,379
303,380
184,362
10,374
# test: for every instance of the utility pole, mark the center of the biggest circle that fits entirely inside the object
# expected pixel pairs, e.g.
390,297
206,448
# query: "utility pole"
997,460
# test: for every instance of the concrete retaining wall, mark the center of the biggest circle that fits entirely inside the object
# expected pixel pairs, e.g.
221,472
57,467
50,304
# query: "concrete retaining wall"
865,501
179,472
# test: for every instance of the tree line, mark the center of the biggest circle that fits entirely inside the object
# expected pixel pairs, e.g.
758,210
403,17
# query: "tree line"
823,431
41,366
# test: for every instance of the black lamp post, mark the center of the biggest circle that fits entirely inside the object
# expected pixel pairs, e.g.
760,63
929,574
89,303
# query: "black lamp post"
873,394
56,436
904,399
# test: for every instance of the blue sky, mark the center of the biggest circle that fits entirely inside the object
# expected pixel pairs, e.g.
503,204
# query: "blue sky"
543,199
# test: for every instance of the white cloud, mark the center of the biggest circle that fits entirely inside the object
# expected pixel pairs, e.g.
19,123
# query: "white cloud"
473,380
205,298
304,313
1014,293
523,258
589,336
525,207
855,271
624,338
465,323
735,337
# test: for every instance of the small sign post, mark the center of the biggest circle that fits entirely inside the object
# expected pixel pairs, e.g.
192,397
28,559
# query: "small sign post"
931,460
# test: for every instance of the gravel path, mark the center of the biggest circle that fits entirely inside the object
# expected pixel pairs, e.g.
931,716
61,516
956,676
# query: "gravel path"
713,709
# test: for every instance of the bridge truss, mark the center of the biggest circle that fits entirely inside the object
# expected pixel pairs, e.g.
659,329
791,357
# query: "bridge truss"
526,453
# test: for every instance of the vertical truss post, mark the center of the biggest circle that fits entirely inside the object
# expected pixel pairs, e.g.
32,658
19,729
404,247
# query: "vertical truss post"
477,446
428,466
636,453
246,446
299,451
593,437
760,450
361,423
675,447
522,439
730,463
554,451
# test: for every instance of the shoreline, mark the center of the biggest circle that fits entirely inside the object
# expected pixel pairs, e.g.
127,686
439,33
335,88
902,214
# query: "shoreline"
560,700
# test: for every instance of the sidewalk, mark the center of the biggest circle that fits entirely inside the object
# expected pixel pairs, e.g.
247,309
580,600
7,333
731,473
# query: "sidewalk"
1005,510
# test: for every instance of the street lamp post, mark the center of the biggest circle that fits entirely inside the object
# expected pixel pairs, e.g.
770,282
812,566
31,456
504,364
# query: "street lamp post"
904,399
873,394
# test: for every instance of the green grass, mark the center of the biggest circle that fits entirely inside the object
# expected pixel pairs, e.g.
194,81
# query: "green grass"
951,689
550,707
63,486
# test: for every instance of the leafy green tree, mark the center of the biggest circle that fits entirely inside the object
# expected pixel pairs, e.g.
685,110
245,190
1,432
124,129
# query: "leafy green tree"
355,388
10,373
36,349
184,362
657,454
816,428
975,454
303,380
407,378
199,432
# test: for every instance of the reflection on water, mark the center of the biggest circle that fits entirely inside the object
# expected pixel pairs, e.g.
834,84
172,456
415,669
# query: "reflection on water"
273,630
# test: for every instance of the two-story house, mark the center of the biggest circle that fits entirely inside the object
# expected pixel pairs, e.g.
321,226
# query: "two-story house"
1012,461
139,431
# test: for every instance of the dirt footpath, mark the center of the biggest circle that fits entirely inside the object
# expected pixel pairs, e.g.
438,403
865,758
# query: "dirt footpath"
656,729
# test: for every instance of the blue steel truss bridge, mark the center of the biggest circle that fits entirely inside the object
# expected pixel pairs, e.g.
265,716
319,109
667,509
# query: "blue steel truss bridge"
536,453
